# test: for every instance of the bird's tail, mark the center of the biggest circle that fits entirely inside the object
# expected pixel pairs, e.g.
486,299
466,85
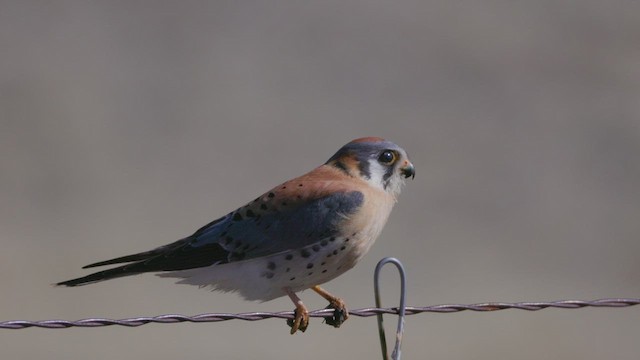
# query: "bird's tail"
120,271
175,256
136,266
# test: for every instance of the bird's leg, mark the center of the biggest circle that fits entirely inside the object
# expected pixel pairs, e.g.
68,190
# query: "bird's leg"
301,320
341,314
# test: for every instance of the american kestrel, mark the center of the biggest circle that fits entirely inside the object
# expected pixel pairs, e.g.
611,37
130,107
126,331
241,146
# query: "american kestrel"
296,236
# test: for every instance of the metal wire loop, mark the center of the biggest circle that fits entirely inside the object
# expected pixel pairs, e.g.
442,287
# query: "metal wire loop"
395,355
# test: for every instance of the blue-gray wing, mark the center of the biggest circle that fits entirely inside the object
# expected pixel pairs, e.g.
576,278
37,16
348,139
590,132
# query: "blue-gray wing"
252,231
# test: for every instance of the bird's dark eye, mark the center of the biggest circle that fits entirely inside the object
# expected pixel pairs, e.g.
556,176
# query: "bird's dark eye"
387,157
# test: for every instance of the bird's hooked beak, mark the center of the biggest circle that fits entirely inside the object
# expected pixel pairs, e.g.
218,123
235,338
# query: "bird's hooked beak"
408,170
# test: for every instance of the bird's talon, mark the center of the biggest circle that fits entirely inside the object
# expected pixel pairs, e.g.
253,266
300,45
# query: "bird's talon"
299,322
340,313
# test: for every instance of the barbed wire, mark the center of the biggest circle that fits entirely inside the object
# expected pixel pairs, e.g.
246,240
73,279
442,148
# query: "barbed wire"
321,313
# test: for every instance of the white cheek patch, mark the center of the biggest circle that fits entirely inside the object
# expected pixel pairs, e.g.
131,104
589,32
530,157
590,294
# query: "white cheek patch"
376,179
376,174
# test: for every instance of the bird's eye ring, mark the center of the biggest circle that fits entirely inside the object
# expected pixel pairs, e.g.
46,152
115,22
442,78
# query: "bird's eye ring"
387,157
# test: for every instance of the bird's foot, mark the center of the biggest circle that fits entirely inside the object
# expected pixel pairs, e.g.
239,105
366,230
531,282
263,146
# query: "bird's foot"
340,313
300,320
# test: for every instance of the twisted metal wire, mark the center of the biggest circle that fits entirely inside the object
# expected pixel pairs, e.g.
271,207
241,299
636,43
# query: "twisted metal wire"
365,312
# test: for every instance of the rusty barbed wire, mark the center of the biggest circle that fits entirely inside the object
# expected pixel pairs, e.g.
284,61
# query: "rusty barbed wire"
364,312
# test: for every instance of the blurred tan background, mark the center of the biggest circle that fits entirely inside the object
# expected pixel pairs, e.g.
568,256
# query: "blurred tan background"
125,125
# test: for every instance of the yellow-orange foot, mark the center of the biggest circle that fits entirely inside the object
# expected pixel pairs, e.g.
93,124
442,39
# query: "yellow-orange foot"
340,314
300,321
301,314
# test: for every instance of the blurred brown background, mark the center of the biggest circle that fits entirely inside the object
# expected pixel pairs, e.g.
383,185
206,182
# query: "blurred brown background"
125,125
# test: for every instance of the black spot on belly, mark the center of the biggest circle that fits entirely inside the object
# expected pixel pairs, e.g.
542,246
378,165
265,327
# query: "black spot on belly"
289,257
293,278
324,243
324,271
271,195
268,274
237,217
271,265
309,265
263,206
305,253
316,248
250,213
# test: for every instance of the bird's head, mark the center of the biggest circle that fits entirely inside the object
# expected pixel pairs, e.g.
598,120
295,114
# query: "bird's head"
379,162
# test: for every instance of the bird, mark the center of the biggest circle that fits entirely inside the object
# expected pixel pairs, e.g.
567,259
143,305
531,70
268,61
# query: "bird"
296,236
